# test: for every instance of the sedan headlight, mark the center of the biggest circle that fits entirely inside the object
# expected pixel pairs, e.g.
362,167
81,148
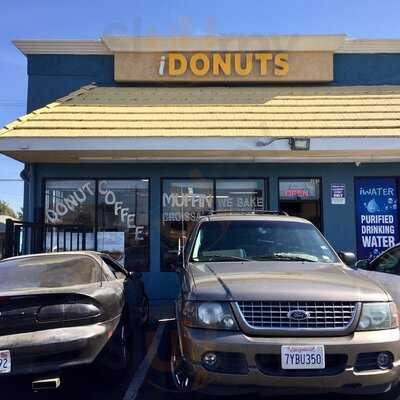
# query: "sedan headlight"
209,315
377,316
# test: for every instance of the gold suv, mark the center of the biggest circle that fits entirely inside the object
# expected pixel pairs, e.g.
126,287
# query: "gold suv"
266,304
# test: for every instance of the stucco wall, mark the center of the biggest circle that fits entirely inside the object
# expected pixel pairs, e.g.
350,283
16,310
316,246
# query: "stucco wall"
54,76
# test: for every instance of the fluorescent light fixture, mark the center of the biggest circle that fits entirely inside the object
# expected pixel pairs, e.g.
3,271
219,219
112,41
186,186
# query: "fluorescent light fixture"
302,144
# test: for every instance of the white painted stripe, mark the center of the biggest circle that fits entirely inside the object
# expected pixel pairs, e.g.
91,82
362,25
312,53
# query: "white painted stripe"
140,375
203,143
383,149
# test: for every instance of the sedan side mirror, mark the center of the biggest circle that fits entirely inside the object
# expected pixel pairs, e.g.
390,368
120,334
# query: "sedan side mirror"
348,258
363,264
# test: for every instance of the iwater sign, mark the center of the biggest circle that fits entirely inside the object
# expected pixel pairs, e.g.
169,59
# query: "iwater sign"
377,219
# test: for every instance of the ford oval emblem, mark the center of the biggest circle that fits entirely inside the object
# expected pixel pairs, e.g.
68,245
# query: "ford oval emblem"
298,315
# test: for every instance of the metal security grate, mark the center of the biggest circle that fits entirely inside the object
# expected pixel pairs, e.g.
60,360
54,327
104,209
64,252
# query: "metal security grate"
320,314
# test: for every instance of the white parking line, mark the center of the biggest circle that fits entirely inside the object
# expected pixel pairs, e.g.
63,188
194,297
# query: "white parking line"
140,375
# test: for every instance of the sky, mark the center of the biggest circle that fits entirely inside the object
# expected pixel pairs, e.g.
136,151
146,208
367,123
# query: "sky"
77,19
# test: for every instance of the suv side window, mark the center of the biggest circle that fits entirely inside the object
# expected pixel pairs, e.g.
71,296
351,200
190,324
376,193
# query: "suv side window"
115,268
388,262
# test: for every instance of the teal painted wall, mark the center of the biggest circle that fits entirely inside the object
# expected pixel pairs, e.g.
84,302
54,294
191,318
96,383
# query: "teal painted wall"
338,220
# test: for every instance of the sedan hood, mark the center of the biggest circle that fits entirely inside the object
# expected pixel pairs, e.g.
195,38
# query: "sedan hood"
267,280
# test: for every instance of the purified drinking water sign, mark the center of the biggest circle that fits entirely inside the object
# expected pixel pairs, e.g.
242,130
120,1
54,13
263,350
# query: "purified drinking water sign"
377,220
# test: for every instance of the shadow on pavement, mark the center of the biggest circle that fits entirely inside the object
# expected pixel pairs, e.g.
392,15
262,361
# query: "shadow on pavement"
85,384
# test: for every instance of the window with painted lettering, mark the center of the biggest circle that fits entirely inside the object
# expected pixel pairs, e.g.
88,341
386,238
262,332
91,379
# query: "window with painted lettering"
183,201
123,222
239,194
69,202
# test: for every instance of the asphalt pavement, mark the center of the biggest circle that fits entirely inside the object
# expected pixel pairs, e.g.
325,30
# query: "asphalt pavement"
147,379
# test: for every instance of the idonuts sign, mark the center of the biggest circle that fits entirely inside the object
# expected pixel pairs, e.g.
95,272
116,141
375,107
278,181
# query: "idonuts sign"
258,66
228,64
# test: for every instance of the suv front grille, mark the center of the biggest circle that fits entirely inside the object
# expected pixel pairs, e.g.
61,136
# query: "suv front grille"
321,315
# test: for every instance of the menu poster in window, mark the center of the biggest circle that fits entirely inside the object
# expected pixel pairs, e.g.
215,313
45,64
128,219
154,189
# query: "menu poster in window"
112,243
377,219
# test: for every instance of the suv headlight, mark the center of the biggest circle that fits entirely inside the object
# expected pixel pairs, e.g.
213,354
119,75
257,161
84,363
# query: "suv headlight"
377,316
209,315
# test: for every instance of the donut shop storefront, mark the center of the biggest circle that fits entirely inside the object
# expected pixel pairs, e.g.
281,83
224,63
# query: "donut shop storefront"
136,137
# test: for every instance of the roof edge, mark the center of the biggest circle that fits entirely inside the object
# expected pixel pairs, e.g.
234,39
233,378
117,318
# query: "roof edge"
72,47
118,44
19,121
111,44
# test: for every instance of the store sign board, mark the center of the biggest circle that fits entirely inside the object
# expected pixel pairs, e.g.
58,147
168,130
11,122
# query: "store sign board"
377,216
258,66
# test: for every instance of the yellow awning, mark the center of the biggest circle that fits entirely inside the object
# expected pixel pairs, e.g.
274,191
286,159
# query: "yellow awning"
145,112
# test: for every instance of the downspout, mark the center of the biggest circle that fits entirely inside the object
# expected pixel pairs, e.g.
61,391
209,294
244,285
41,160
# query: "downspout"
28,176
25,175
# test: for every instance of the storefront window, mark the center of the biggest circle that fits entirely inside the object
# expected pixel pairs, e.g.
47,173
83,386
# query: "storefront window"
183,201
239,194
118,224
301,198
69,202
123,222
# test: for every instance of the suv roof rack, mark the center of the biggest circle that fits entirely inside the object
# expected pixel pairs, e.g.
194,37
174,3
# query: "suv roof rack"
266,212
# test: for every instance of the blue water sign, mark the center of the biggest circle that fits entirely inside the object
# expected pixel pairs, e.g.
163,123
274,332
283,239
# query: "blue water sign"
377,219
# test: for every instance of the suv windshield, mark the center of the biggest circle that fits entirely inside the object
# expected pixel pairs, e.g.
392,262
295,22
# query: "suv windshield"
260,240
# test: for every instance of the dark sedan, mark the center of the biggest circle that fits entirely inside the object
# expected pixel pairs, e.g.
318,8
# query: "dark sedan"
67,309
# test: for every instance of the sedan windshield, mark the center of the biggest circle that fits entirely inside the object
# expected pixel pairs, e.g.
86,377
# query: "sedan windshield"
219,241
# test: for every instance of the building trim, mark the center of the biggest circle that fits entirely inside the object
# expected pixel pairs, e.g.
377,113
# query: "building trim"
109,45
256,144
368,46
212,149
224,43
77,47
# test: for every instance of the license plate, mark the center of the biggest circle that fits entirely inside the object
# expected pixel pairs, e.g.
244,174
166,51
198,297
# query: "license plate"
303,357
5,361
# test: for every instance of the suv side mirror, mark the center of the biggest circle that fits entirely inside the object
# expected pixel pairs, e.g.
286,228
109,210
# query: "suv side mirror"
363,264
176,262
348,258
135,275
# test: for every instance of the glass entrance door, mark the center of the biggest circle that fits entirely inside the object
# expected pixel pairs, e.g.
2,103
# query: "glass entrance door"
301,197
